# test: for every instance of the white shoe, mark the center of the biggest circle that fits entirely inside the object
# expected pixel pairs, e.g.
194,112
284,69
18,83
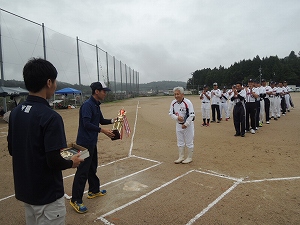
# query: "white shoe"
268,122
180,160
187,160
252,131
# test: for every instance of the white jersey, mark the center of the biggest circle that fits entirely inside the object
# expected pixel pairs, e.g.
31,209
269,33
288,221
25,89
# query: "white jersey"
215,96
184,109
204,98
249,94
268,89
240,98
224,97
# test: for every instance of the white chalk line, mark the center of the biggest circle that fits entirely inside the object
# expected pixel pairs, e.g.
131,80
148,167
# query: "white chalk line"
212,173
134,128
140,198
272,179
214,202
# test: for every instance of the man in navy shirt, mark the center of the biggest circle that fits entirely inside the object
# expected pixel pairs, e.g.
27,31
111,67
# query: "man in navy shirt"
90,117
35,137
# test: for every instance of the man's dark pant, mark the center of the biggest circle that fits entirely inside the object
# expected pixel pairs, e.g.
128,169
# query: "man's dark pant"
86,171
257,114
283,105
250,115
215,108
267,108
239,118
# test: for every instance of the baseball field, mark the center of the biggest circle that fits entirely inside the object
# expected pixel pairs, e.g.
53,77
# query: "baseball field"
232,180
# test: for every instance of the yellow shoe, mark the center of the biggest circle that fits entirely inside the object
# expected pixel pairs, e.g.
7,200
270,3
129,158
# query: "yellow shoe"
79,207
94,195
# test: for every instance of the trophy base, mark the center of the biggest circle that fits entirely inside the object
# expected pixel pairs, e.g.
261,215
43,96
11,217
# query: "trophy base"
117,135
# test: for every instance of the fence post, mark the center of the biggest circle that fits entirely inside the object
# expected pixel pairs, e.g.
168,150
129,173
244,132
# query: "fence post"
44,41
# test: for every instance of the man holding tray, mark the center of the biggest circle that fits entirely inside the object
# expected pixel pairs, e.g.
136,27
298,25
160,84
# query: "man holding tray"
90,116
35,137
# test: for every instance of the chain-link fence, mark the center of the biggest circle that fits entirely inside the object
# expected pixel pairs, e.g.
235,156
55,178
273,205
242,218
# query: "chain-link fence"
77,61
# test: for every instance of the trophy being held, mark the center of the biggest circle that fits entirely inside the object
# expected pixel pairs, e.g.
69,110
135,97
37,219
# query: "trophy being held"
118,125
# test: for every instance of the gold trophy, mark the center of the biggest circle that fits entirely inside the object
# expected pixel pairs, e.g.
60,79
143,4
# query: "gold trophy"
118,125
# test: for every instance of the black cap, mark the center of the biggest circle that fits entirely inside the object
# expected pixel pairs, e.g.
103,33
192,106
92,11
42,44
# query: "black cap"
224,87
263,80
250,81
272,82
99,86
204,86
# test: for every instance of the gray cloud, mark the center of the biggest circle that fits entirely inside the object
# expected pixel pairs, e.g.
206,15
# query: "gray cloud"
165,40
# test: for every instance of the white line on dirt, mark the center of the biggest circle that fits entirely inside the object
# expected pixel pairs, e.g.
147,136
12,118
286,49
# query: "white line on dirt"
218,175
134,128
151,160
272,179
140,198
214,202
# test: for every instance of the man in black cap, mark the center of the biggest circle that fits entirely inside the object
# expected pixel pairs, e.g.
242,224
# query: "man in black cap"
90,116
267,96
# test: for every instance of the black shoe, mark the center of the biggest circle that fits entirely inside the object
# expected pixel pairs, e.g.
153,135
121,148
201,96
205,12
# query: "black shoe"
242,135
275,119
218,121
237,134
212,121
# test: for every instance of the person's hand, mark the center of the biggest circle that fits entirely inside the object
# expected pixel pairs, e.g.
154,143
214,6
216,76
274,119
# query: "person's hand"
180,119
107,132
76,160
183,126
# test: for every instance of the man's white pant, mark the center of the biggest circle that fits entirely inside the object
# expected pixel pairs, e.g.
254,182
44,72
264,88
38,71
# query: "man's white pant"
185,136
205,108
224,106
273,107
287,101
50,214
262,110
277,106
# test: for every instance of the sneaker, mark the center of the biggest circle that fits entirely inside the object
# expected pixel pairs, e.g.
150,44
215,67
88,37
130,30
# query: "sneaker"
275,119
252,131
242,135
207,124
94,195
283,114
237,134
268,122
79,207
212,121
260,124
226,119
218,121
203,124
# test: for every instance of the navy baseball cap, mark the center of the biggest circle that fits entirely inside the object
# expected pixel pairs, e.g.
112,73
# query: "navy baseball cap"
99,86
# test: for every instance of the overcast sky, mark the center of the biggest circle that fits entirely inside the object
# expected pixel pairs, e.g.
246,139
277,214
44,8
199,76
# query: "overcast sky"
169,39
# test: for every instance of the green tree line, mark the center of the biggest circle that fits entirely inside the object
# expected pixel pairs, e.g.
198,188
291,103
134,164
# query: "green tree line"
270,68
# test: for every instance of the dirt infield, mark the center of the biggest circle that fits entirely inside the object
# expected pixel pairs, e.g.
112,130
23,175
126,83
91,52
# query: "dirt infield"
232,180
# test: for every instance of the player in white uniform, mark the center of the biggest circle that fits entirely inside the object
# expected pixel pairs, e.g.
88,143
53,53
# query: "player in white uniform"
205,106
224,103
215,103
262,95
287,96
281,90
273,100
182,111
230,95
268,91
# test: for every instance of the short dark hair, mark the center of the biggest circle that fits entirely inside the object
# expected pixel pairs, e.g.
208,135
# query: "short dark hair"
36,72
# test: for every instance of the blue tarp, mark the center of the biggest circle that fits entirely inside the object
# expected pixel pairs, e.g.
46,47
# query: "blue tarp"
68,91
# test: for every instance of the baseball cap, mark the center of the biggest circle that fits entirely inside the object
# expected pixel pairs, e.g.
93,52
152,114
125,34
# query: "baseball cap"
263,80
204,86
99,86
215,84
250,81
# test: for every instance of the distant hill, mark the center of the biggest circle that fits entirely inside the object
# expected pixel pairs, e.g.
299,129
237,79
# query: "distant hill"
154,86
161,85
